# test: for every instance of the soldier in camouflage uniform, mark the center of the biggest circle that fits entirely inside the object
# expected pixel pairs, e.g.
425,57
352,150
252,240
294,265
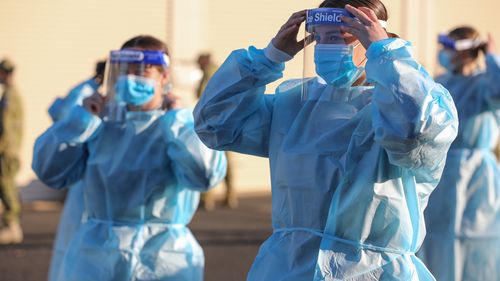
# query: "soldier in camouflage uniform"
11,129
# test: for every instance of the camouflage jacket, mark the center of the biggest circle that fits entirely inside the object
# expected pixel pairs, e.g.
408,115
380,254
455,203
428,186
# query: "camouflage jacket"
11,125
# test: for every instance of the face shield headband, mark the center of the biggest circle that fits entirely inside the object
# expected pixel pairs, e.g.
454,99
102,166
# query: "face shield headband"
459,45
330,16
140,57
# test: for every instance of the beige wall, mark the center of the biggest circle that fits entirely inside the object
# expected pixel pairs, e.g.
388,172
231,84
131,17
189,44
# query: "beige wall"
239,24
55,43
482,14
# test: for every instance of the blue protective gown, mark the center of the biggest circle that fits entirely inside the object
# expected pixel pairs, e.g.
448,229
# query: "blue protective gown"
351,169
463,216
142,181
73,211
61,107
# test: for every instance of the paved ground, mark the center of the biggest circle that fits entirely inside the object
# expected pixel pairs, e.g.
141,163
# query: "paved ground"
230,238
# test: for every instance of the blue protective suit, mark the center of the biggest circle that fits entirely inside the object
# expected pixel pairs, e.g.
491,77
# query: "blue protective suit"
142,181
351,169
73,211
61,107
463,216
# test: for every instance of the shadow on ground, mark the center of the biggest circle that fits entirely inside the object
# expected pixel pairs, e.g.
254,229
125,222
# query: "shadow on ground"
229,237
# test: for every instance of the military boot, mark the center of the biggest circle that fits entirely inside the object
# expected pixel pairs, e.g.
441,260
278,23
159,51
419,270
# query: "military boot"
12,233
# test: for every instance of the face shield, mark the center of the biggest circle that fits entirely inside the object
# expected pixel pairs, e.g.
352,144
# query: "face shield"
131,78
450,47
328,52
458,45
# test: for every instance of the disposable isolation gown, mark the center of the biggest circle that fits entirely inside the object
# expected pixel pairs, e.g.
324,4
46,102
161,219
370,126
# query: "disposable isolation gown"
61,107
351,169
463,216
73,211
142,180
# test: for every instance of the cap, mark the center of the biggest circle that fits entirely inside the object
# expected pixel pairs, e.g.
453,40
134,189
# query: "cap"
7,65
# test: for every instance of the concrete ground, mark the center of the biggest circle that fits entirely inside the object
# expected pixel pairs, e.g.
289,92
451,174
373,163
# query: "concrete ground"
229,237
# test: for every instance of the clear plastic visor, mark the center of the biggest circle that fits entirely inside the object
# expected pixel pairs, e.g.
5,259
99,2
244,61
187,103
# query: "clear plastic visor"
123,63
132,62
323,36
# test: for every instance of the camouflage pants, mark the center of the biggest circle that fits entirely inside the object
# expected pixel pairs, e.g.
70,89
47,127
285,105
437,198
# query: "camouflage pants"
230,193
8,189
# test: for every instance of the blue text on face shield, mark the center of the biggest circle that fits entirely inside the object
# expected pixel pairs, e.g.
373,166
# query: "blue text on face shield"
135,90
326,17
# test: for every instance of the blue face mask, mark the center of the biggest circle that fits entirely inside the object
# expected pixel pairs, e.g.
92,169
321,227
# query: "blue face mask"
135,90
445,59
335,65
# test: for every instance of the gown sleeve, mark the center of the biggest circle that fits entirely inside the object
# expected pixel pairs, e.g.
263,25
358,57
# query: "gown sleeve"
60,153
233,112
195,166
414,118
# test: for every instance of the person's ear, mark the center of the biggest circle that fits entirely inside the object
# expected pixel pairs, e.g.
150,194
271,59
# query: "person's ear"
165,76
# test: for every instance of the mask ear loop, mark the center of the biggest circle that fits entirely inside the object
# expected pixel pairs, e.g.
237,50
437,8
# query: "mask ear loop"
364,60
361,65
383,23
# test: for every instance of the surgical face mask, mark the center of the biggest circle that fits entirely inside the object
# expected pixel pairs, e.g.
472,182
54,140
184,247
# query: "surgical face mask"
445,59
334,63
135,90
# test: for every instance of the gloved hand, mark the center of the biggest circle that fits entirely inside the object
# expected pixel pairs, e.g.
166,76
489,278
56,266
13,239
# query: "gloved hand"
95,104
286,38
171,101
365,27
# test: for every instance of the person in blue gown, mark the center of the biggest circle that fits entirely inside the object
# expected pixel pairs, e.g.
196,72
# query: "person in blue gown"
352,162
73,211
463,215
142,176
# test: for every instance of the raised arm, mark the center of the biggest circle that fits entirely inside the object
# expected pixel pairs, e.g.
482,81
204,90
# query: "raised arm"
60,154
414,118
492,84
61,107
234,113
